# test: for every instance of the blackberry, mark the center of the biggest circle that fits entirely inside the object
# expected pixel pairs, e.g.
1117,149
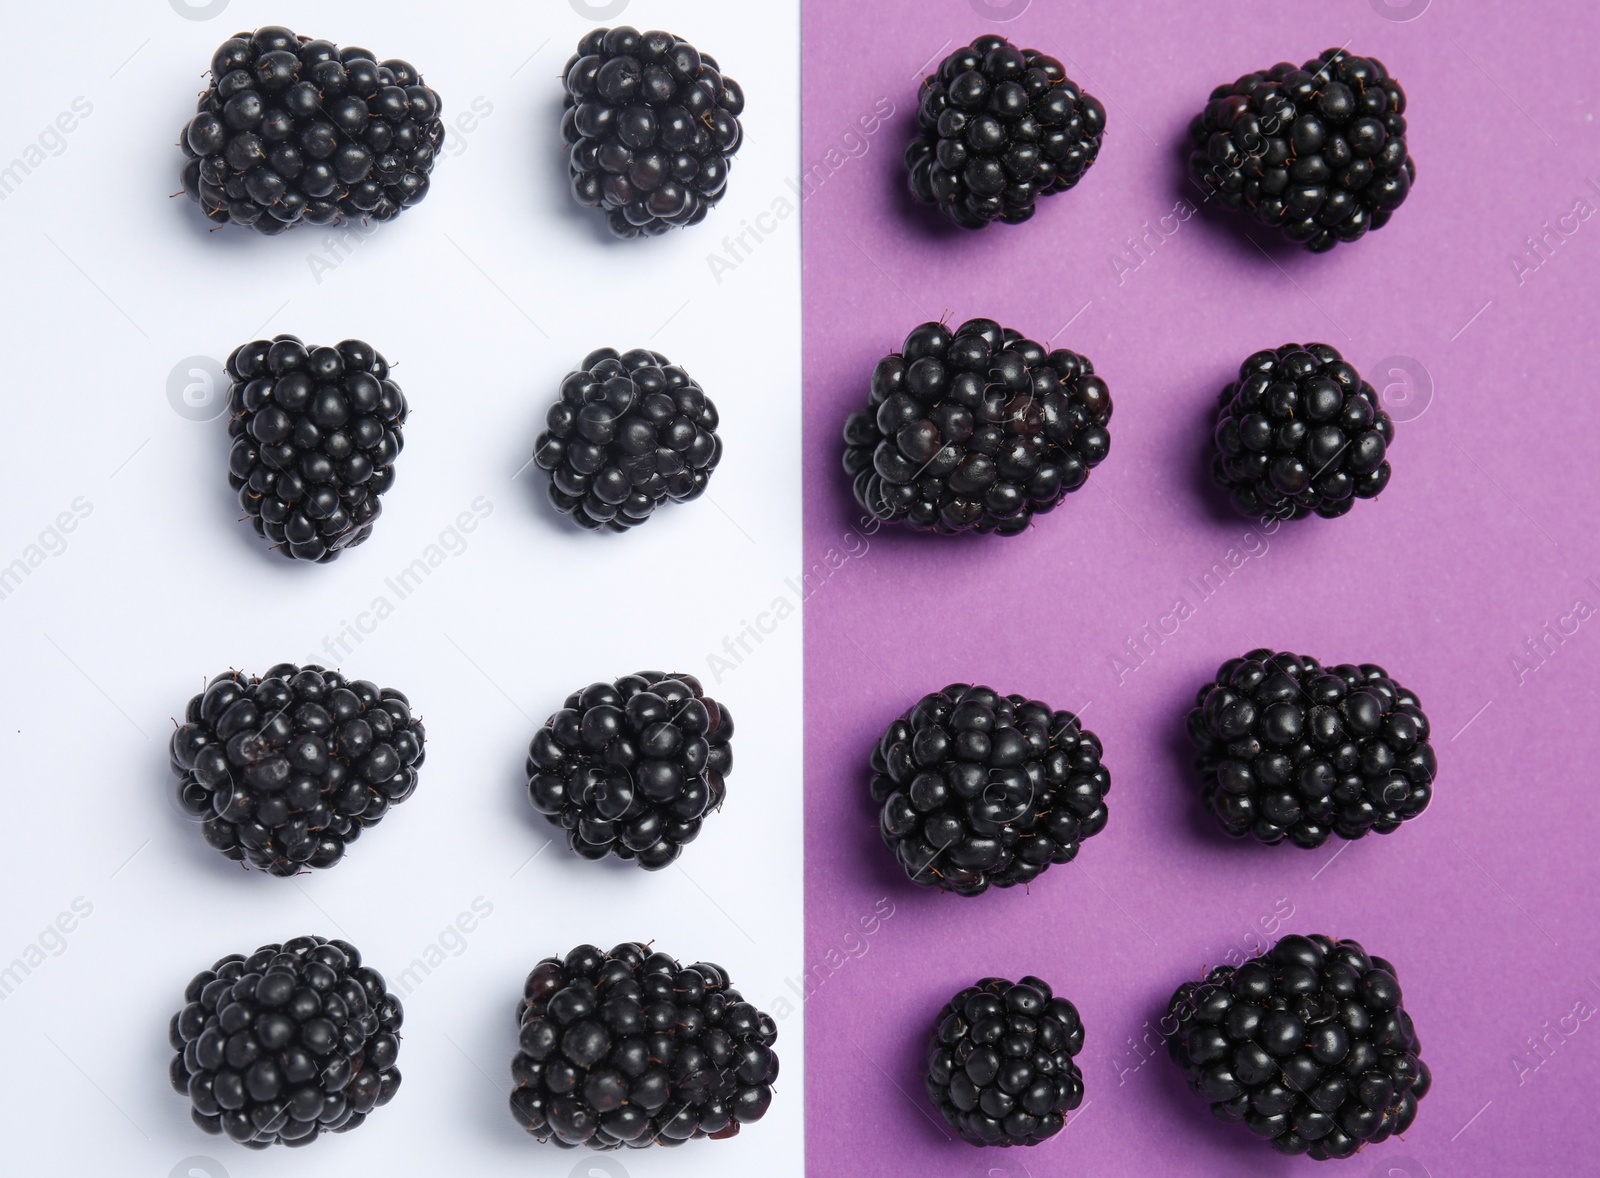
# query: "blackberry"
628,1048
976,430
631,431
1292,749
976,788
1300,432
295,1040
284,771
632,768
1000,128
298,130
651,127
1000,1067
316,431
1307,1044
1318,153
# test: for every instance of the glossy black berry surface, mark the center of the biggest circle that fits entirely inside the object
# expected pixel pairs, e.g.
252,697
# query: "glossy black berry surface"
284,771
633,768
316,431
1300,433
1290,749
1318,153
1000,1066
975,430
651,127
1000,127
628,1048
295,130
1308,1045
291,1042
975,788
631,431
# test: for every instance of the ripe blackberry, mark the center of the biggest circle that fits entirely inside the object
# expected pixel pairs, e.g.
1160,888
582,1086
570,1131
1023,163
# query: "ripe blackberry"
976,430
285,771
1318,152
1000,1068
1300,432
295,1040
1292,749
632,768
651,126
295,130
316,432
1000,128
976,788
1307,1044
630,431
628,1048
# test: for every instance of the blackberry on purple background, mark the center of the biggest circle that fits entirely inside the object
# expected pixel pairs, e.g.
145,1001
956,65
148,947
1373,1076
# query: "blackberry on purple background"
1318,153
630,432
284,771
633,768
999,128
651,127
629,1048
295,1040
1292,749
975,788
1000,1066
316,431
975,430
294,130
1308,1044
1300,432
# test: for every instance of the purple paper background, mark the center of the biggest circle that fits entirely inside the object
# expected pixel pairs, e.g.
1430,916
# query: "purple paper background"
1485,535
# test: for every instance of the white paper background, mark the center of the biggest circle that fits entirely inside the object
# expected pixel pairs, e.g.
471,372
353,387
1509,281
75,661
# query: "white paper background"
484,297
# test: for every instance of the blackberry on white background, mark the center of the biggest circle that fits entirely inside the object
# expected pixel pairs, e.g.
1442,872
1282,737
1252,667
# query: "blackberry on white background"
651,127
316,431
633,768
630,432
291,1042
293,129
629,1048
286,770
